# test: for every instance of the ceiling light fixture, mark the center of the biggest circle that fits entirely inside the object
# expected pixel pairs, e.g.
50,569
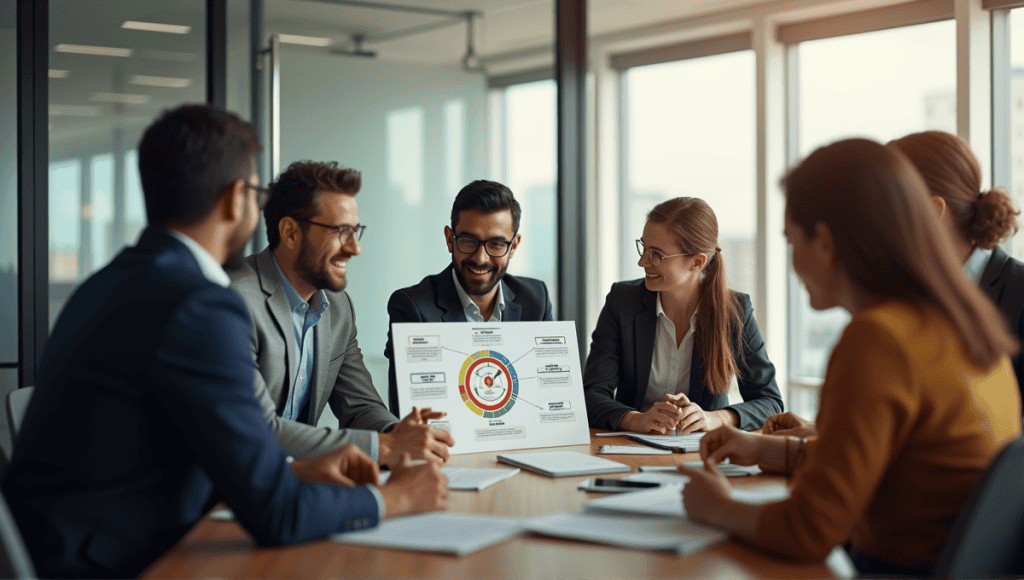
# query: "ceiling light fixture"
120,98
156,27
58,74
168,82
305,40
170,55
74,110
471,62
95,50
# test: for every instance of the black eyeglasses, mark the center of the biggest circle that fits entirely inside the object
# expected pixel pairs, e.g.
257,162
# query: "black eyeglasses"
468,245
345,232
262,194
655,257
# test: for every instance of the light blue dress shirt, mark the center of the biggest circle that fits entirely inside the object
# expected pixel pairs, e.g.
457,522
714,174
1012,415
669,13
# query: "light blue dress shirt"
974,267
472,311
305,317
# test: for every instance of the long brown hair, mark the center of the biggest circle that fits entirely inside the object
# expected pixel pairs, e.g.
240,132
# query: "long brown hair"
887,238
952,172
718,319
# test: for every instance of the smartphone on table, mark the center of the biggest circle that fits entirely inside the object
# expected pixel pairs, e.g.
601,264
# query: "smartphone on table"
610,485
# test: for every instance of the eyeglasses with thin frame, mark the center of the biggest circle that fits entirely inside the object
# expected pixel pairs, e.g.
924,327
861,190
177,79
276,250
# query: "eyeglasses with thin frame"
262,194
655,257
345,232
469,245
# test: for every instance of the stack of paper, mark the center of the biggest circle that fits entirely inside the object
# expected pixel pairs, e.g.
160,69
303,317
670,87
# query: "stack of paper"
457,534
646,533
469,478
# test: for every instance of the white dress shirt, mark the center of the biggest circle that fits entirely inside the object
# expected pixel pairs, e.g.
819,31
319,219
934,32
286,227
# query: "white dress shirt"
670,366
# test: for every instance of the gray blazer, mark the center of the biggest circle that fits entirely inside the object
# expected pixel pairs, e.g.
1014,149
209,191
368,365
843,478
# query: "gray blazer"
341,377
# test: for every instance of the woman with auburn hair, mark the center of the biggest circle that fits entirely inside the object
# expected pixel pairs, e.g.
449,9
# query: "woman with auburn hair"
977,221
918,397
667,346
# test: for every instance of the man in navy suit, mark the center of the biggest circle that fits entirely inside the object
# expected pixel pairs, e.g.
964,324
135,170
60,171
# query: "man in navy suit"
474,288
144,416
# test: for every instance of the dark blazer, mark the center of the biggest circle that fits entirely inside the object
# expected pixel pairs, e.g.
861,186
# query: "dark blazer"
340,378
1003,281
143,417
619,365
435,299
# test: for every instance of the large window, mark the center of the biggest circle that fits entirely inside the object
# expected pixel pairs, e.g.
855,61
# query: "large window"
1016,185
853,86
111,73
526,118
8,187
689,131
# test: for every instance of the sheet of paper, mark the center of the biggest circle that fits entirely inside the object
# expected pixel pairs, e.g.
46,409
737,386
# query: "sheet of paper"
728,469
613,434
476,478
459,533
663,501
469,478
505,385
632,450
684,443
647,533
761,493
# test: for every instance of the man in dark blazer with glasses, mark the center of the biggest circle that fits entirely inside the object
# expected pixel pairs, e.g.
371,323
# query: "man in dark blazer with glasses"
482,239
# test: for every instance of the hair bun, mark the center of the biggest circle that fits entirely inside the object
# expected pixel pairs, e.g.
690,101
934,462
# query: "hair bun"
994,219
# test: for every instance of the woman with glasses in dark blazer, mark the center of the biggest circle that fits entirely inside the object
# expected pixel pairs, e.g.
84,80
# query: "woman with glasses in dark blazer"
667,346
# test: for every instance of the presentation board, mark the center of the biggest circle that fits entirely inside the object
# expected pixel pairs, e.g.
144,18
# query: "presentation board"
504,385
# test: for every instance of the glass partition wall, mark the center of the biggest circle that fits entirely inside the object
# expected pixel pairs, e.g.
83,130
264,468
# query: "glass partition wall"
111,72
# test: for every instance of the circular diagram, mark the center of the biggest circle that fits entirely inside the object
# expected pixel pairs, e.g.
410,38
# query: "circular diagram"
488,384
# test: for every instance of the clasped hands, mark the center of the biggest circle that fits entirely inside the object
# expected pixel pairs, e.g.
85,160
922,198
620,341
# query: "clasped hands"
676,412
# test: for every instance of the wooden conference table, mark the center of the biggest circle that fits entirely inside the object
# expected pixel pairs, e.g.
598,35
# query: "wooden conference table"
224,549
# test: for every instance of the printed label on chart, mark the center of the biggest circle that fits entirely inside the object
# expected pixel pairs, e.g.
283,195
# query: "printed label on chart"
500,433
560,417
425,392
487,337
559,406
422,378
551,346
553,375
424,349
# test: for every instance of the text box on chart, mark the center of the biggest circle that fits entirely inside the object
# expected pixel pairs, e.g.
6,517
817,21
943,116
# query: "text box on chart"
506,385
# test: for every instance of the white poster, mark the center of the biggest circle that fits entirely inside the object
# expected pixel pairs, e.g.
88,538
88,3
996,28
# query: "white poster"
505,385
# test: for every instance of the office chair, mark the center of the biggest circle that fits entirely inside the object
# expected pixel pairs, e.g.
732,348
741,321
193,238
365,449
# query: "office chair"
14,558
988,539
17,404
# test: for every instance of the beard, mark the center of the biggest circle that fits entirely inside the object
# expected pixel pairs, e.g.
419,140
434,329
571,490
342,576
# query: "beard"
315,272
482,287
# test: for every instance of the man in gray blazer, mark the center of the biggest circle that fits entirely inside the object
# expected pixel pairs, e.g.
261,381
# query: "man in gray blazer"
304,332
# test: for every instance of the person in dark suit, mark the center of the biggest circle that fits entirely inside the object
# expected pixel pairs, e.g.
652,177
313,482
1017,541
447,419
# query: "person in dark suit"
482,239
305,347
977,221
667,346
144,416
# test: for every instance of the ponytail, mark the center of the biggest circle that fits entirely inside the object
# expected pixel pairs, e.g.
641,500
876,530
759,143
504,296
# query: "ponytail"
718,322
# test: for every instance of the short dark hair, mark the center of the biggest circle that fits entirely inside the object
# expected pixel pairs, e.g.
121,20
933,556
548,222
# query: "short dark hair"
188,156
295,192
487,197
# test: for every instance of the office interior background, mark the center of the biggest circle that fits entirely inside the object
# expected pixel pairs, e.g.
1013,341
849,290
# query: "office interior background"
705,98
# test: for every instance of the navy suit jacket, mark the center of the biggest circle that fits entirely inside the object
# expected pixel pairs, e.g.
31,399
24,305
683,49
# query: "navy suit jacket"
1003,281
144,416
619,365
435,299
